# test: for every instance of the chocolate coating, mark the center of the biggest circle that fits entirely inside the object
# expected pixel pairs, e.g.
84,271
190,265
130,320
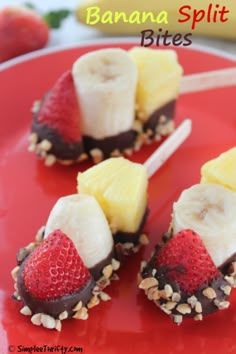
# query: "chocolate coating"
154,120
96,270
122,237
60,148
54,307
107,145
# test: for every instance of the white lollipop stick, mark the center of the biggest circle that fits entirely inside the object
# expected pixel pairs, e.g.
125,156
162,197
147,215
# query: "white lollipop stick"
208,80
168,147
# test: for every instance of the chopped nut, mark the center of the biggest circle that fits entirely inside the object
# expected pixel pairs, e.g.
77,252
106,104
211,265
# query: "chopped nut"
104,296
78,306
209,293
97,155
143,240
168,289
128,152
26,311
50,160
183,308
115,264
192,301
83,157
151,292
177,319
148,283
30,247
198,317
35,107
198,307
137,126
66,162
170,305
176,297
103,282
226,289
58,325
48,321
32,147
157,137
45,145
64,315
14,272
163,307
33,138
93,302
221,304
156,296
128,245
82,314
230,280
107,271
115,153
163,294
36,319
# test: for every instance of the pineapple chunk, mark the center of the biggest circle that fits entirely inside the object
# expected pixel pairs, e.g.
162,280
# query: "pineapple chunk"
221,170
159,75
120,187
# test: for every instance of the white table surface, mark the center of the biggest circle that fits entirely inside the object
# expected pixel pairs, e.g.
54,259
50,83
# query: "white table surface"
72,32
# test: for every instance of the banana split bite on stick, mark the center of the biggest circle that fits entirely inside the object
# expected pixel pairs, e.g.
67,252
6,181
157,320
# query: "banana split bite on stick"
109,104
192,273
62,273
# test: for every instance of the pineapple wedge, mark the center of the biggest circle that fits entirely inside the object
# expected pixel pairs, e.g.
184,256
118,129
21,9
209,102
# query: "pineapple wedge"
159,75
221,170
120,187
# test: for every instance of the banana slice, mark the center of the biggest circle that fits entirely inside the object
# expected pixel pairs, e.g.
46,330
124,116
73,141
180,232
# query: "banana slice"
209,210
105,82
81,218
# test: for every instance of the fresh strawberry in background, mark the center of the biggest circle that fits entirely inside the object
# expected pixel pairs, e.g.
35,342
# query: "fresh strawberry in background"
23,30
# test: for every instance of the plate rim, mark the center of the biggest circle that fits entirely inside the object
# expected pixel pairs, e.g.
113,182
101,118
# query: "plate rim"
106,40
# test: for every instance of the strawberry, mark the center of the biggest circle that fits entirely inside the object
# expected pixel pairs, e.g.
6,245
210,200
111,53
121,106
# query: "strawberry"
54,269
21,31
185,260
59,110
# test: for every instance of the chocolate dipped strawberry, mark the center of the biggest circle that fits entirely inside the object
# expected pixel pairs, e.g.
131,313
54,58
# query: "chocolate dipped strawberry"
54,283
182,279
55,133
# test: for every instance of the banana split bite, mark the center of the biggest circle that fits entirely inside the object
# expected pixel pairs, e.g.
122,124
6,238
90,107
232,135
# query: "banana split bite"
109,104
120,187
63,273
192,273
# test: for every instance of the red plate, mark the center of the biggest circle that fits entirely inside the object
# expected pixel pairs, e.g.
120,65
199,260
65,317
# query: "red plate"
129,323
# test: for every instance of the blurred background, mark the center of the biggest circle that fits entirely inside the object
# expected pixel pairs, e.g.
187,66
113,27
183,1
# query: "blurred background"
74,32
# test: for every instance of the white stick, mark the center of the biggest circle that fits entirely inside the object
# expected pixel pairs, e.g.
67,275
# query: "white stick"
208,80
168,147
